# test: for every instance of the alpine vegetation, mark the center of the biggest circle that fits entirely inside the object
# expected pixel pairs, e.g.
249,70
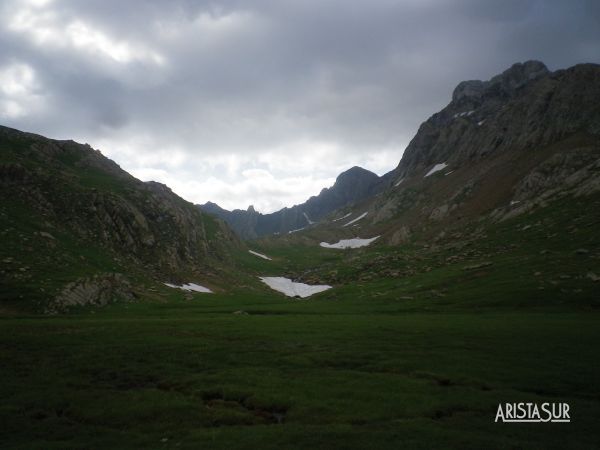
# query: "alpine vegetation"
419,266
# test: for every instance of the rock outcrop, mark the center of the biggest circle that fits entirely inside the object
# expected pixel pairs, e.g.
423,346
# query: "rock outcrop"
98,290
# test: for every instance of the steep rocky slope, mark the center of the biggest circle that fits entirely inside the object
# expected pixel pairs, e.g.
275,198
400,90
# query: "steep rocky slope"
523,109
524,137
500,149
351,186
70,215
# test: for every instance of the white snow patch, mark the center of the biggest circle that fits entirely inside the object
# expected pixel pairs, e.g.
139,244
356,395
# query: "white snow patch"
399,181
481,122
448,173
296,230
515,202
191,287
436,168
293,289
310,222
340,218
349,243
463,114
362,216
260,255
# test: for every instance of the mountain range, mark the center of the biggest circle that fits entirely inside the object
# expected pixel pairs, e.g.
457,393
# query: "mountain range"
502,146
385,312
77,229
350,187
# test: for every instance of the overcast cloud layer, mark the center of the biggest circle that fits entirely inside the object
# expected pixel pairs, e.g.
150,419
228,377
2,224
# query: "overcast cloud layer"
263,102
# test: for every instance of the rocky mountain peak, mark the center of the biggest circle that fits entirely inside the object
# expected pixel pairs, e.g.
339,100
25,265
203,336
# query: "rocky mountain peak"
354,180
507,82
524,107
469,89
519,74
355,173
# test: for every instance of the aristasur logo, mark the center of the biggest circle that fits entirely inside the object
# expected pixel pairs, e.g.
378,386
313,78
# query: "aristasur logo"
531,412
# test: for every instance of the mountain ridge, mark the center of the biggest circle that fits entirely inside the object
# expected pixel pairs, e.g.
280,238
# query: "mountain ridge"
509,146
79,215
350,186
483,118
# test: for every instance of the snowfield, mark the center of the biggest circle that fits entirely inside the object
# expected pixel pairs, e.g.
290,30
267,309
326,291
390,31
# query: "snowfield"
340,218
349,243
291,288
260,255
362,216
193,287
463,114
436,168
310,222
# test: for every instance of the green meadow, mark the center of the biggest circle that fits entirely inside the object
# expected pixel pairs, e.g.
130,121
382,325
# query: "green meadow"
412,348
322,373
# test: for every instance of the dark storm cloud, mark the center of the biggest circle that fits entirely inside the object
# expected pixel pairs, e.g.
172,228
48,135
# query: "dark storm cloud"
237,90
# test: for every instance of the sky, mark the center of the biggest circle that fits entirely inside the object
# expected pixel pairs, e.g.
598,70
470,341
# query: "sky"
263,102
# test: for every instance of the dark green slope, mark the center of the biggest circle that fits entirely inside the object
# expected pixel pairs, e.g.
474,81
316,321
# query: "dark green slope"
70,215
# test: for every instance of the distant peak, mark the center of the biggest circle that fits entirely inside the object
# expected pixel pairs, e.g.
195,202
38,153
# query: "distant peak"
354,172
251,209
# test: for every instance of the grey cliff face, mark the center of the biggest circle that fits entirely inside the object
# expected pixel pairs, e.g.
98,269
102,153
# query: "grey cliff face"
523,139
524,107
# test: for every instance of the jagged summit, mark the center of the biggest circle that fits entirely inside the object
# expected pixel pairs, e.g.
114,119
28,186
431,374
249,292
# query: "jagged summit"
523,107
507,82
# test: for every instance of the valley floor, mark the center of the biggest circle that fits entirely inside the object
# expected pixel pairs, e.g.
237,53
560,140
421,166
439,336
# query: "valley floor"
415,346
294,374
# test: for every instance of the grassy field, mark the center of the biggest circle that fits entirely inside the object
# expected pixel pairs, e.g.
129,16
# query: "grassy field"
414,347
293,374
